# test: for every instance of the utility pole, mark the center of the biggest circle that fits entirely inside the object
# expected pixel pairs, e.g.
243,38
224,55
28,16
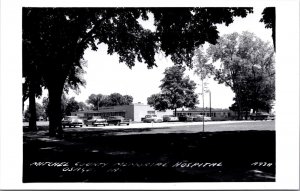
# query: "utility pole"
209,103
203,105
98,100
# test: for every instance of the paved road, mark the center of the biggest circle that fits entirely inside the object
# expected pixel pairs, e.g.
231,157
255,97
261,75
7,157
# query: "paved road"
177,127
182,127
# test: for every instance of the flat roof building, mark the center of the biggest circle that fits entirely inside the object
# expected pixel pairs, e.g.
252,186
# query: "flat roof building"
215,113
135,112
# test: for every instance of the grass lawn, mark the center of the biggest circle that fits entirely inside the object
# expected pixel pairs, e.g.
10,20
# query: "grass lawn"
105,156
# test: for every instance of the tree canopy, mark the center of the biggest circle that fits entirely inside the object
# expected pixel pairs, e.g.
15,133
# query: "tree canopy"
83,106
269,18
72,106
118,99
96,101
177,91
40,112
244,63
55,39
99,100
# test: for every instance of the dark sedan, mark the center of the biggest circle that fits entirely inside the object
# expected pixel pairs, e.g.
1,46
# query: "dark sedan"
117,120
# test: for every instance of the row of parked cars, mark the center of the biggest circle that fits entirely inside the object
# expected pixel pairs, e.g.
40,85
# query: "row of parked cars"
74,121
169,118
262,116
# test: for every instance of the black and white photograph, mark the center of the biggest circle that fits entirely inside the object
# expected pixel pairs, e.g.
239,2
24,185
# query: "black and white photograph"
152,94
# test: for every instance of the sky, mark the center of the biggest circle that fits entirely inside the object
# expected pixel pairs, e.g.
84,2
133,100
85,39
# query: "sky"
105,75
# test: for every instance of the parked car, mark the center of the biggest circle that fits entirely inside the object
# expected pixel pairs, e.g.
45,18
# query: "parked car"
186,118
71,121
95,121
170,118
152,118
190,118
271,117
259,116
117,120
200,118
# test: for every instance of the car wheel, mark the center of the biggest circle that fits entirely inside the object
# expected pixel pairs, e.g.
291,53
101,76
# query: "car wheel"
80,125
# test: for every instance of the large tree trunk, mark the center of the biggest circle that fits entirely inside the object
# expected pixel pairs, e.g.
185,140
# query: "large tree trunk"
32,108
55,112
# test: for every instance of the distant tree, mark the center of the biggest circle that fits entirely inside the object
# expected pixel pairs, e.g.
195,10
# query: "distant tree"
158,101
246,64
97,101
40,112
67,105
176,91
128,99
58,38
45,104
115,99
63,104
83,106
72,106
